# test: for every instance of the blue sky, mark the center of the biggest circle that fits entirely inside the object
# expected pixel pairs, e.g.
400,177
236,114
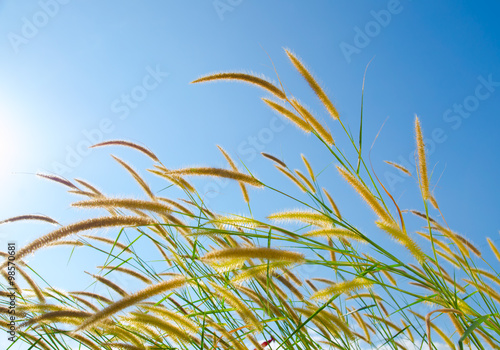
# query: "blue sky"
74,71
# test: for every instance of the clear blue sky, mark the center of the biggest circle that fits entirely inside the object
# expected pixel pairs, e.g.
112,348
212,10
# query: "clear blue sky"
66,71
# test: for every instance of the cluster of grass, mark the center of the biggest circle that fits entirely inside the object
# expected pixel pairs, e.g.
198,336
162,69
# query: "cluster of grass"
234,282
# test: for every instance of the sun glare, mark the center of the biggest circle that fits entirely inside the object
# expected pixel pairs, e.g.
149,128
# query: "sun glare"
8,144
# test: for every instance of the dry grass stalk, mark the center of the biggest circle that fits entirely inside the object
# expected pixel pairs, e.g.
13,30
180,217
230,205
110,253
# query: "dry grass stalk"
248,78
274,159
128,144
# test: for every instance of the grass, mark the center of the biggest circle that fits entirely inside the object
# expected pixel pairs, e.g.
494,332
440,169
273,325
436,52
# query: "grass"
234,282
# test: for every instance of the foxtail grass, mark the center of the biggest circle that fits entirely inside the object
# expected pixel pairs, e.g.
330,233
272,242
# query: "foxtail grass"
188,276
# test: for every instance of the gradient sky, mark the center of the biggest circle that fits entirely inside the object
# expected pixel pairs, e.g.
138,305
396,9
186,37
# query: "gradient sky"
66,71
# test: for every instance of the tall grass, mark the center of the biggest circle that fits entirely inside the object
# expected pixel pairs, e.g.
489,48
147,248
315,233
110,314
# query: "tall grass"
235,282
